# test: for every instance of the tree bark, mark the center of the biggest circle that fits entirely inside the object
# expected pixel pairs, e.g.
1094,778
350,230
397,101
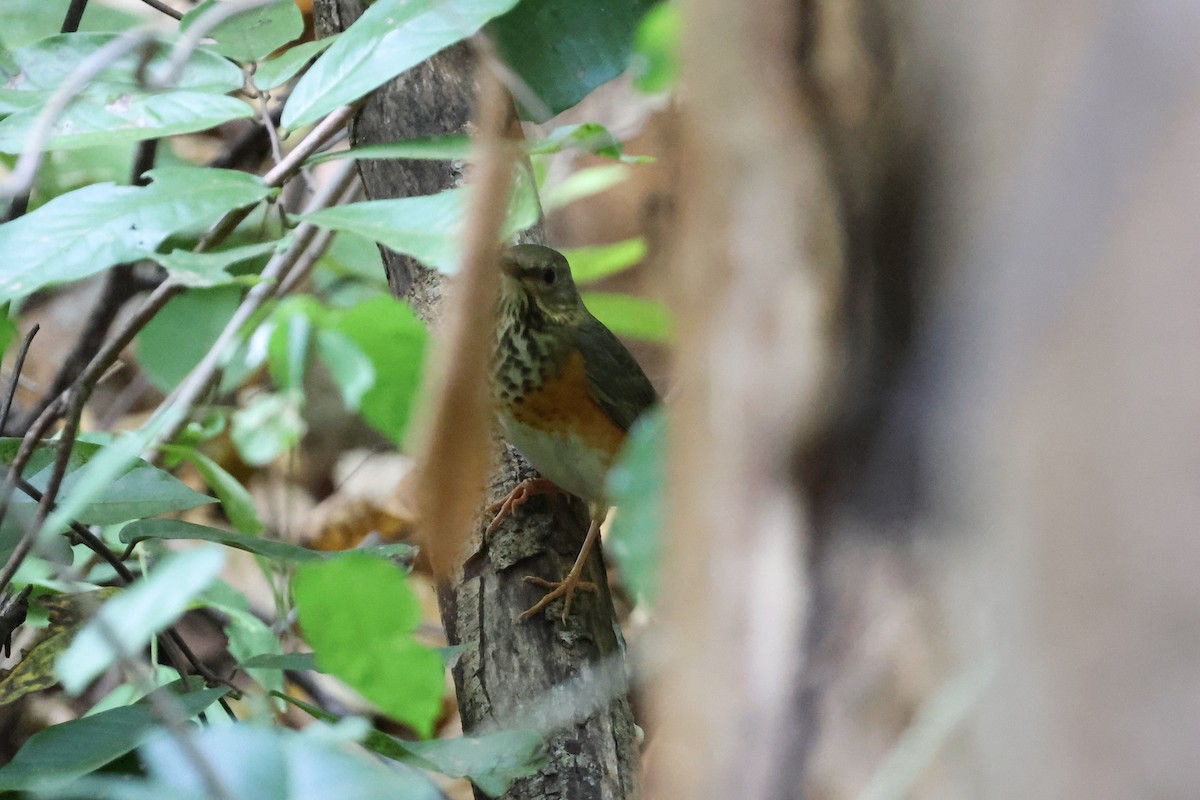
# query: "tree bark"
565,680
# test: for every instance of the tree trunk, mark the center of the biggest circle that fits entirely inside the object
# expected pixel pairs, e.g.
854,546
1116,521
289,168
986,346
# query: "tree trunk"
566,681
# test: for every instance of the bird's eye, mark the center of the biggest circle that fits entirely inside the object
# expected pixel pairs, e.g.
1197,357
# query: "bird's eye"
548,276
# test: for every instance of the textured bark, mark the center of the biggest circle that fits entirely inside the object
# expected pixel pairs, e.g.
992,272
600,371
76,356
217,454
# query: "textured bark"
564,680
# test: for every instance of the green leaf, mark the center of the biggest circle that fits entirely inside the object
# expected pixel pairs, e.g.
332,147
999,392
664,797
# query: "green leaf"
88,230
55,756
88,123
591,264
391,337
176,529
115,106
133,490
636,484
268,427
234,497
431,148
427,227
298,662
655,62
350,367
270,763
635,317
251,34
127,694
27,21
179,335
202,270
584,183
67,614
563,49
281,69
359,613
590,136
124,624
287,347
389,38
492,762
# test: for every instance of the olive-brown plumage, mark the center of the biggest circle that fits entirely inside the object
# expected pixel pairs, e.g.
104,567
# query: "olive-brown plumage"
566,389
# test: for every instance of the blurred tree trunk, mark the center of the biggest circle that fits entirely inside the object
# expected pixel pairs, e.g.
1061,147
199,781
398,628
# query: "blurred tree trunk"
567,681
934,462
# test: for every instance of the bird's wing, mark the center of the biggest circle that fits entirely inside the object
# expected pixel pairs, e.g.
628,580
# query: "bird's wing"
614,379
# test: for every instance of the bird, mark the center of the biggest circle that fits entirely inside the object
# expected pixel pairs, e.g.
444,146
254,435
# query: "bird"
567,392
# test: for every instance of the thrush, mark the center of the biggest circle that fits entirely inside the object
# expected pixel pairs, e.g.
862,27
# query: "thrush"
567,392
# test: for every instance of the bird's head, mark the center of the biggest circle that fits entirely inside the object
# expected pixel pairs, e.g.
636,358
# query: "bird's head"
539,276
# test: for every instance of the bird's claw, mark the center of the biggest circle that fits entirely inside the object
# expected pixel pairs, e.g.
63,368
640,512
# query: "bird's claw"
517,498
565,588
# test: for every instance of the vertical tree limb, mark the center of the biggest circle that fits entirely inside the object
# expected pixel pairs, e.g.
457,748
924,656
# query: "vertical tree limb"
520,674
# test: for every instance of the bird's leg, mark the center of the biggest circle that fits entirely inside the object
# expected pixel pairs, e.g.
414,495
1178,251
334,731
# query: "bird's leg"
520,494
567,587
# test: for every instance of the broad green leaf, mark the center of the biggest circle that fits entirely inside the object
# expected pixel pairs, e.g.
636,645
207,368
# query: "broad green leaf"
635,317
268,427
127,694
389,38
359,613
350,367
281,69
637,484
35,671
124,624
271,763
563,49
27,21
655,62
591,264
94,481
88,230
179,335
394,341
64,171
590,136
247,636
427,227
234,497
291,661
176,529
251,34
431,148
55,756
492,762
351,259
133,490
584,183
116,106
202,270
89,122
288,345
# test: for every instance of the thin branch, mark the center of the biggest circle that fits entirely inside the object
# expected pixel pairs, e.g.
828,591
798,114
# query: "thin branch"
453,458
143,161
188,393
74,16
16,375
164,8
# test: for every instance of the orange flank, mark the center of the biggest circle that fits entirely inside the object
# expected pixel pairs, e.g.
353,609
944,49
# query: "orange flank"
563,405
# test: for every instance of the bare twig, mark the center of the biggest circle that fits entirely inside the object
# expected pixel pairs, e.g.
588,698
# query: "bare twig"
16,375
200,378
164,8
74,15
453,458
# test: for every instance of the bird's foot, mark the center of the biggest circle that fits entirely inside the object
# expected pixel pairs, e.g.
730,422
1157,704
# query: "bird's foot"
565,588
524,490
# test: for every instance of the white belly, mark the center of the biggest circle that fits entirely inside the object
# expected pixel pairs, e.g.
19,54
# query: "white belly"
563,459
